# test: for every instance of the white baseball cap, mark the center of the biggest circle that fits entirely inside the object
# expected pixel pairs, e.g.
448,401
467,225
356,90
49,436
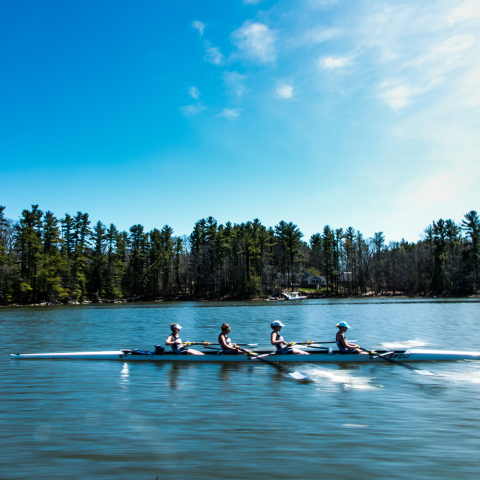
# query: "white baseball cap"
177,326
277,323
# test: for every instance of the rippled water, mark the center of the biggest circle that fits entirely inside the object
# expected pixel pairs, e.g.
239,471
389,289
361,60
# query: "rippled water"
98,419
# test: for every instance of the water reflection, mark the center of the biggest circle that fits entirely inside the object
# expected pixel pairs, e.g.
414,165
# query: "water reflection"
226,370
124,374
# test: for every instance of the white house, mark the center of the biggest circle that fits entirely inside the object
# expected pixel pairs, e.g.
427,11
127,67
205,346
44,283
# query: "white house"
315,280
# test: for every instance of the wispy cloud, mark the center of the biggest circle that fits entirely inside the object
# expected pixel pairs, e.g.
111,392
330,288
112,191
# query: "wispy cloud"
193,92
285,91
467,11
230,113
255,41
331,63
322,3
213,54
189,110
425,47
396,95
234,82
197,25
320,34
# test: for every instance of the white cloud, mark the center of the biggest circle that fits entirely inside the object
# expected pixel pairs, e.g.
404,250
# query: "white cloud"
193,92
234,82
331,63
255,41
197,25
230,113
213,54
189,110
285,91
396,95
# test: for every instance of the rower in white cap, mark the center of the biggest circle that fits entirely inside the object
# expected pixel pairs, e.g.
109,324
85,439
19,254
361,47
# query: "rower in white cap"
282,346
343,345
174,340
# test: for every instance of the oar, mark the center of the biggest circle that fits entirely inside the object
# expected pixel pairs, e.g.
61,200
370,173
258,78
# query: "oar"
295,375
310,342
211,343
396,362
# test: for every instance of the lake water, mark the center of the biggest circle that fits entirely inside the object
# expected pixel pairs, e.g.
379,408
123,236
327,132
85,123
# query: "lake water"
112,420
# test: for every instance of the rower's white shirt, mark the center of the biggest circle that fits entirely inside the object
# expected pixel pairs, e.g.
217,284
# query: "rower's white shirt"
280,338
178,342
228,342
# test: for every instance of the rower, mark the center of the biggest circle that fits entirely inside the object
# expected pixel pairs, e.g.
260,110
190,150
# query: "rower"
176,342
283,348
226,345
343,345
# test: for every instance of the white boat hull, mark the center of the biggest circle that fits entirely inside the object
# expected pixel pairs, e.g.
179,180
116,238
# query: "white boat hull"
411,355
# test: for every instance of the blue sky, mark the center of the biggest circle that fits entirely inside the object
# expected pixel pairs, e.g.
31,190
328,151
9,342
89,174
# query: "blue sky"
362,114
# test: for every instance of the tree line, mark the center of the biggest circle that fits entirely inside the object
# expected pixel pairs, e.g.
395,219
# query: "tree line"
55,260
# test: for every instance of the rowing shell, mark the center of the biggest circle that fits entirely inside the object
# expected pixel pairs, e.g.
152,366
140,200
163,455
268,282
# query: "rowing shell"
410,355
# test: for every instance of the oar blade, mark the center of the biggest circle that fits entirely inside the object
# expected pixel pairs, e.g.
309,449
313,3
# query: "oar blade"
298,376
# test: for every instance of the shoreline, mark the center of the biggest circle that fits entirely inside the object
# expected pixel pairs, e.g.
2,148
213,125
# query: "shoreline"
188,298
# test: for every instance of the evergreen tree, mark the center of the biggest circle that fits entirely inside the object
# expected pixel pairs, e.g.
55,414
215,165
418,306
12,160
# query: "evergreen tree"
29,232
9,271
99,267
289,236
439,254
167,256
316,251
328,239
471,225
114,268
137,263
178,257
52,265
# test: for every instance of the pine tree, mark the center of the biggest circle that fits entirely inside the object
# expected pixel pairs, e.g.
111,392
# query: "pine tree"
178,257
52,265
439,254
29,233
99,267
328,239
115,262
167,257
137,263
471,225
9,271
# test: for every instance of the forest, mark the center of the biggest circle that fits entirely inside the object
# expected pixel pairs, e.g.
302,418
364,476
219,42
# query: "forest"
51,260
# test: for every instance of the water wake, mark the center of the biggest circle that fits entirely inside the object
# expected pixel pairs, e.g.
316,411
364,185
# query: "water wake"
470,377
349,379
